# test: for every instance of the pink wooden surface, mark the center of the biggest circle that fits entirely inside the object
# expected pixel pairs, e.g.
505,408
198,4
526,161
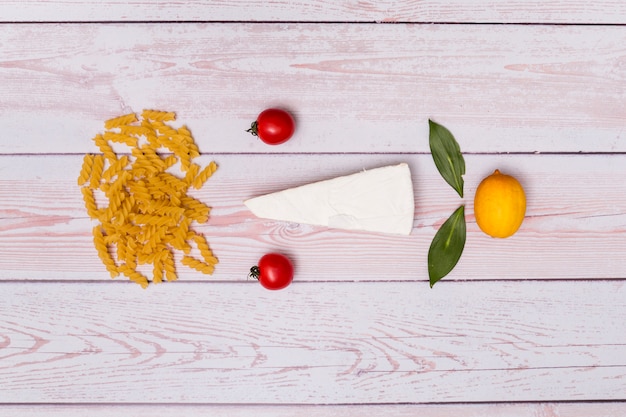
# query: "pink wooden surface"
439,410
450,11
596,409
537,88
564,233
213,342
530,326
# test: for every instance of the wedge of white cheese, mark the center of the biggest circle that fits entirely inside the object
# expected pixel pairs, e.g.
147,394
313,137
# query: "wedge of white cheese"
377,200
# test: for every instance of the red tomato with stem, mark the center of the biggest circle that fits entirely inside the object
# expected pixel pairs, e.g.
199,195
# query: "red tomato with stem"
273,126
274,271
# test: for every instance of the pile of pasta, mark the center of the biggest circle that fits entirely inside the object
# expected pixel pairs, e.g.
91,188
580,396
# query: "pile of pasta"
140,198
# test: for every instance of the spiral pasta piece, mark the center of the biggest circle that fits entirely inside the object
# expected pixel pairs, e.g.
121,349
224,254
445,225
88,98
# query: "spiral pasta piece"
105,148
204,175
121,138
115,168
169,266
134,275
205,250
195,209
85,171
157,271
90,202
148,214
120,121
158,115
192,172
96,171
133,130
103,252
197,265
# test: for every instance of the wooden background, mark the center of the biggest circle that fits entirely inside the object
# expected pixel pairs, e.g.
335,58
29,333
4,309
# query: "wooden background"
534,325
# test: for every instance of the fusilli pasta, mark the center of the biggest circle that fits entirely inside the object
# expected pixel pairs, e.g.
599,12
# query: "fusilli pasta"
148,214
120,121
204,175
197,265
85,171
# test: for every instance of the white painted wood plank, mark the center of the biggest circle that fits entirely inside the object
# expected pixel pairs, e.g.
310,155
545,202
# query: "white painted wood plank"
584,409
352,88
575,226
507,11
332,343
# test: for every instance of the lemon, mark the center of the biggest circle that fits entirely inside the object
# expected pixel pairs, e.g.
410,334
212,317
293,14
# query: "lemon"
499,205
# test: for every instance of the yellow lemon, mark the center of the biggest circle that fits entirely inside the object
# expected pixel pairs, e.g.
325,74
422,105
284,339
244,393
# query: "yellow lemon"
499,205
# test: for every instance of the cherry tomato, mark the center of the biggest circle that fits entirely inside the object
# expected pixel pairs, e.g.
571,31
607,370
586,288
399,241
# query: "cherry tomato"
274,272
273,126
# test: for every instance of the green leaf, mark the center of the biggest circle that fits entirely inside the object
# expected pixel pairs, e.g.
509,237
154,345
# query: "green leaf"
447,246
447,155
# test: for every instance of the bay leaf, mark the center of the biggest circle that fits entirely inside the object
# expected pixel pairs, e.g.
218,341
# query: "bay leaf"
447,155
447,246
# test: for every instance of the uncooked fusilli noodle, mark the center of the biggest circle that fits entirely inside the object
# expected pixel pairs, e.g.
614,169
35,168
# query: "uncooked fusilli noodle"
105,148
126,119
158,115
197,265
148,213
96,171
85,171
204,175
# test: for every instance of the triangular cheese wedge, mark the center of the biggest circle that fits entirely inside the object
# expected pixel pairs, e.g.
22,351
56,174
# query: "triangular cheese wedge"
377,200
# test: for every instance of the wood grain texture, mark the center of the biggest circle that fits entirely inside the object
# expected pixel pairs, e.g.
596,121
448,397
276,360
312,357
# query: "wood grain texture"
483,11
313,343
575,226
532,326
352,88
584,409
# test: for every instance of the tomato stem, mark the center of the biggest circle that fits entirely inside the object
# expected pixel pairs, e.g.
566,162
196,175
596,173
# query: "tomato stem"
254,129
255,272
